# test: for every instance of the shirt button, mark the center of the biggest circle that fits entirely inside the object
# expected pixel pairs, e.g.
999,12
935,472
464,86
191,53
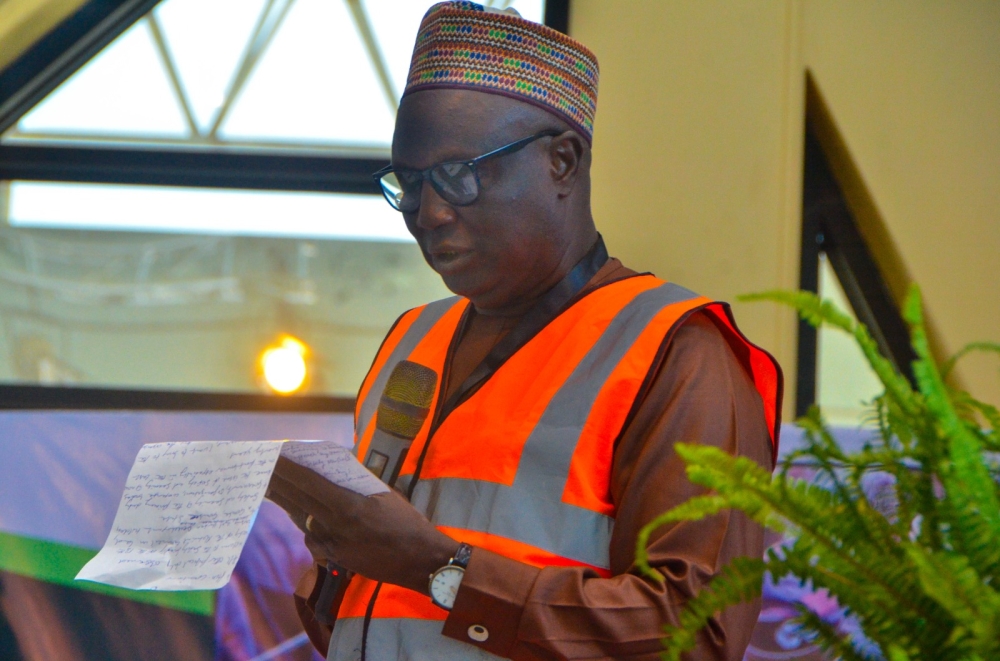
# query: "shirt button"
478,633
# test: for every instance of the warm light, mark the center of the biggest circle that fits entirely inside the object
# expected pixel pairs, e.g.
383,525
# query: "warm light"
284,365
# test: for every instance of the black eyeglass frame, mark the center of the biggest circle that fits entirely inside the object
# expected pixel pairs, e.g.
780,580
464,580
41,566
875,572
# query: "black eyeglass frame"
471,164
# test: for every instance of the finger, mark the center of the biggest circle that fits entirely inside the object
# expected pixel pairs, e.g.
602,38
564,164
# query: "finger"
296,473
295,513
312,498
300,501
282,501
277,484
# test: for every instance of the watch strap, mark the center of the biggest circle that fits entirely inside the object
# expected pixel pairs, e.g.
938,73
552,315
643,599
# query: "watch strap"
462,556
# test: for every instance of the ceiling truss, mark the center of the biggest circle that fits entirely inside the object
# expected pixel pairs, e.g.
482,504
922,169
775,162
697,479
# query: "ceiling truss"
57,56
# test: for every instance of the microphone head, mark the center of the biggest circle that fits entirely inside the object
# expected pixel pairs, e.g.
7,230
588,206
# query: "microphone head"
406,400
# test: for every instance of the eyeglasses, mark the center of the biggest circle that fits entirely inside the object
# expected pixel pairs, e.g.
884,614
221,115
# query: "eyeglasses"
457,182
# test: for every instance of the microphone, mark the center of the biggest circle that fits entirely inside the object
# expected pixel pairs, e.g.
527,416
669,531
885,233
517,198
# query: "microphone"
402,410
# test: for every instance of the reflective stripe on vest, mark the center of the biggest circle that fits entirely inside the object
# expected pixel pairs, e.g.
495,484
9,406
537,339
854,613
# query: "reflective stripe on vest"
401,341
531,510
522,467
424,642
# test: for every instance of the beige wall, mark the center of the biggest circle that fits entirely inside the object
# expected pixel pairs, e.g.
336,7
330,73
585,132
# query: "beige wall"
697,137
915,90
697,172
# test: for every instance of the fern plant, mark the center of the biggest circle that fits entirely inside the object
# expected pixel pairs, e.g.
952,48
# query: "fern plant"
923,580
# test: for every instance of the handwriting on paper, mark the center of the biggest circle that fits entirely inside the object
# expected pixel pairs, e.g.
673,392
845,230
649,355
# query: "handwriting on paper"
184,516
187,509
337,464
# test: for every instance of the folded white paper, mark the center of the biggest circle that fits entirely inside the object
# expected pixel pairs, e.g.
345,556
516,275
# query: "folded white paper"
188,507
335,463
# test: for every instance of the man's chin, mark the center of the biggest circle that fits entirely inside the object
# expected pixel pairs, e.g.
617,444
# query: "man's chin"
461,284
468,286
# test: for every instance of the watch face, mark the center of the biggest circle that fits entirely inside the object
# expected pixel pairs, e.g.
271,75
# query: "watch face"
444,585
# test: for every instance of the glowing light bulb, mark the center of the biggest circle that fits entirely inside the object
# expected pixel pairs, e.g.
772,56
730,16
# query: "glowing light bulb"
284,365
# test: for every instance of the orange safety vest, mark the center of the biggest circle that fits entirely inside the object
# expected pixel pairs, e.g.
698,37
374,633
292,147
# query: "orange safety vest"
523,466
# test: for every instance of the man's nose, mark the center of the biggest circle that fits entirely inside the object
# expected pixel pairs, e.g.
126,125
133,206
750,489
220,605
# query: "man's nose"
434,211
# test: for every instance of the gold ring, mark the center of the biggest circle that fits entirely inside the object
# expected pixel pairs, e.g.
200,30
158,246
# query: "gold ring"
309,522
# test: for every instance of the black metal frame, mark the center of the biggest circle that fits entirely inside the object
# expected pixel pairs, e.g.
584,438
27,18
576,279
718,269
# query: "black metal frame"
190,167
70,398
829,226
557,15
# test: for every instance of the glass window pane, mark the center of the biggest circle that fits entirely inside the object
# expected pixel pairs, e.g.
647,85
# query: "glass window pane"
152,309
314,83
206,40
845,382
204,211
123,92
245,73
395,24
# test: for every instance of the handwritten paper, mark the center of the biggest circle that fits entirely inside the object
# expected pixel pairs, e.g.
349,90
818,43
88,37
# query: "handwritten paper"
187,509
335,463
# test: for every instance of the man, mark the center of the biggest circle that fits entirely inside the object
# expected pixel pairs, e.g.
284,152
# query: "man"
565,380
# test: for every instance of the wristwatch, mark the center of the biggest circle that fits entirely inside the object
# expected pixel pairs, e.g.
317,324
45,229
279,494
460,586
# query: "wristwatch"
444,582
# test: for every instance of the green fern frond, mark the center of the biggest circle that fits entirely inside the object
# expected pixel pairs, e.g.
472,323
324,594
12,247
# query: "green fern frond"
949,364
817,311
791,507
923,580
738,582
892,607
896,653
951,581
828,638
694,509
968,408
845,474
967,479
810,307
788,505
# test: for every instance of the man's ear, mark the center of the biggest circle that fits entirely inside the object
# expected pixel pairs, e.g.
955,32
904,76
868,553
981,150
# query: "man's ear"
567,153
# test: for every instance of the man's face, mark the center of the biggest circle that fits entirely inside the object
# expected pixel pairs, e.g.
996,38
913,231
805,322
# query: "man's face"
501,249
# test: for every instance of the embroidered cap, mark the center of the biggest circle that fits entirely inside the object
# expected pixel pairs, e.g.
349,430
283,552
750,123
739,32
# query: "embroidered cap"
463,45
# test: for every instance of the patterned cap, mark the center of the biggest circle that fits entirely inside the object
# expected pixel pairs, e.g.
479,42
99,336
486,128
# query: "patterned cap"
462,45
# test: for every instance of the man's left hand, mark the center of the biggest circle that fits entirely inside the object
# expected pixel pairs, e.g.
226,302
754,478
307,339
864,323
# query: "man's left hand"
381,537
